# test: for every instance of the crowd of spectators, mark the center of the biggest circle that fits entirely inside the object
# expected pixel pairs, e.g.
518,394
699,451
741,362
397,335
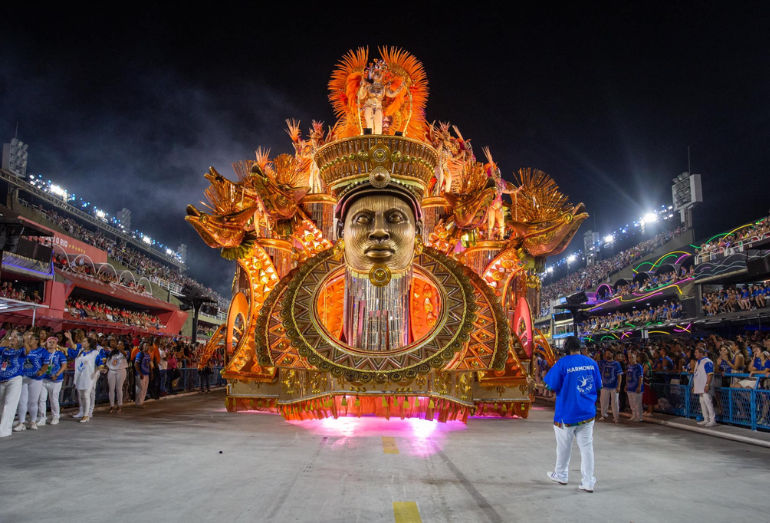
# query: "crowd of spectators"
728,243
588,277
744,354
127,366
738,298
21,291
119,250
663,312
99,311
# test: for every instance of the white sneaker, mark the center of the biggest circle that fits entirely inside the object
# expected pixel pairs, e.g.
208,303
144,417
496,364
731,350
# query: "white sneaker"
552,476
586,489
77,416
41,422
20,427
54,421
711,424
702,422
32,425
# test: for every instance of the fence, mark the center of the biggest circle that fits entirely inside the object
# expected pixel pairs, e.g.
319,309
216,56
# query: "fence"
188,380
733,404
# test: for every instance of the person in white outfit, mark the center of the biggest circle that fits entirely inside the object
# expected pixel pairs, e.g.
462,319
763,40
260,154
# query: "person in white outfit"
12,356
701,386
56,364
87,363
117,363
32,383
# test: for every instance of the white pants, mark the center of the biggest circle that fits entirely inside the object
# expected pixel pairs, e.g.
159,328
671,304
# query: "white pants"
604,401
10,391
635,401
115,380
86,400
30,397
141,389
584,434
707,407
51,391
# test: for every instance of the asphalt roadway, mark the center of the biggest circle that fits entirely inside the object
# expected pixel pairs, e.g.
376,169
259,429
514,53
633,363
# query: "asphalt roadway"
187,459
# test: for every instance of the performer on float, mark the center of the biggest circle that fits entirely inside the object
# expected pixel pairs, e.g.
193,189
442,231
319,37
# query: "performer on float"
371,94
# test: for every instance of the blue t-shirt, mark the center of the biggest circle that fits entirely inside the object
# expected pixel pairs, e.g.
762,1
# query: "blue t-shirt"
576,380
73,353
634,375
757,363
144,363
666,363
725,367
11,362
610,370
55,361
33,363
101,358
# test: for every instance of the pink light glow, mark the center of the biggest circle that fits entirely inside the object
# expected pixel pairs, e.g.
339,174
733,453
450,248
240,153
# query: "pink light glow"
417,437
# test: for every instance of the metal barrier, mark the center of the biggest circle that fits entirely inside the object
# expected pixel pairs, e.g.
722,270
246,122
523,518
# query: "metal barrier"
749,407
187,381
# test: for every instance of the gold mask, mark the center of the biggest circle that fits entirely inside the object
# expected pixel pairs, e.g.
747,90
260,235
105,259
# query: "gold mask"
379,230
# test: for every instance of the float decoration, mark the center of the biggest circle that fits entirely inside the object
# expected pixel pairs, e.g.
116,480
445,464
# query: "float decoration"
381,269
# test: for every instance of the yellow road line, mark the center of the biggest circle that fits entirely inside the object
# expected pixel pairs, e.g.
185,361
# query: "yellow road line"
389,445
406,512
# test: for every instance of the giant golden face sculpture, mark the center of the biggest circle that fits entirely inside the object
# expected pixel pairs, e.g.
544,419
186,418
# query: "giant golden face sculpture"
379,229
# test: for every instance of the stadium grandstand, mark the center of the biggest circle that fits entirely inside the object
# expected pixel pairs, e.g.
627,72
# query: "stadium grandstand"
665,285
68,263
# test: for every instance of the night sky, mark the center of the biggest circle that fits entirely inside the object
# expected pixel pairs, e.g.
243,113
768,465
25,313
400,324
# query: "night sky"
130,109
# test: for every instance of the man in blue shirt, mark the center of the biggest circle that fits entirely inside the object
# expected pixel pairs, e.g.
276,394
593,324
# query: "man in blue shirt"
575,379
634,386
56,363
11,362
612,373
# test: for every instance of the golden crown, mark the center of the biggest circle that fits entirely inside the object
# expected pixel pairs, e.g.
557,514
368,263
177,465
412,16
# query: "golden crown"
378,160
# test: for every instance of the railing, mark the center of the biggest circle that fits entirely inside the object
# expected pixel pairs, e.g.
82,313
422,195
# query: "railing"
733,404
188,380
739,246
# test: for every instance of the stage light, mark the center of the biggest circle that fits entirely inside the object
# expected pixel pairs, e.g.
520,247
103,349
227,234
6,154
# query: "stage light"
650,217
571,258
609,238
100,213
147,240
549,270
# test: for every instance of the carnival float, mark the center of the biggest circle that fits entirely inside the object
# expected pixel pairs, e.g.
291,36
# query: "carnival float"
383,267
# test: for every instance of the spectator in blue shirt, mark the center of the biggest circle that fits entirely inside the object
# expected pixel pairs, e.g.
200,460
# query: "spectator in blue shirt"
12,356
32,383
575,379
142,368
612,374
56,364
634,386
